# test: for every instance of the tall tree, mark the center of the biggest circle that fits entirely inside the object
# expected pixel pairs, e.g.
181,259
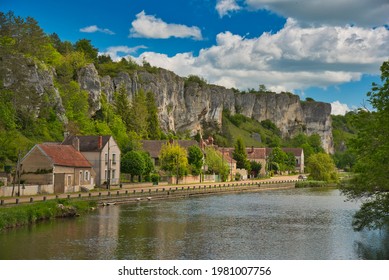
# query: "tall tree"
216,164
372,151
174,159
195,159
239,154
133,163
139,115
154,130
322,167
85,46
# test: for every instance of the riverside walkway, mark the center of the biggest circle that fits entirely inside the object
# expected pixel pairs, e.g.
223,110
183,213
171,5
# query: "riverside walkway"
145,192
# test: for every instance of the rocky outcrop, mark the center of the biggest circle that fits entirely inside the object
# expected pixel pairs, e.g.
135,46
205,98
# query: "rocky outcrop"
33,82
183,105
186,106
89,80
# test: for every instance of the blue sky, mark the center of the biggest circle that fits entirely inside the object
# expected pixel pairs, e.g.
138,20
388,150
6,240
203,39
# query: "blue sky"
328,50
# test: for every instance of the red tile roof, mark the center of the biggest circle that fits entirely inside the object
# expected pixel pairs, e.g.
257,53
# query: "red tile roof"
64,155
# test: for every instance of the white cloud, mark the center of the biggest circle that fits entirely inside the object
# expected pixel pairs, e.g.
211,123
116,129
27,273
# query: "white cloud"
225,7
95,28
295,58
146,26
329,12
117,52
338,108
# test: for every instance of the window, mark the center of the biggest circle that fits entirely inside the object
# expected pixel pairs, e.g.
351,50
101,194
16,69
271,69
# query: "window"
86,176
69,180
106,159
80,178
106,173
113,173
113,158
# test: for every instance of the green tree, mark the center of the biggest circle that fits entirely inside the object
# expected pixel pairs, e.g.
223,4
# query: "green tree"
154,130
255,168
290,162
85,46
149,166
240,155
277,160
133,163
122,106
321,167
174,159
372,158
216,164
139,115
195,159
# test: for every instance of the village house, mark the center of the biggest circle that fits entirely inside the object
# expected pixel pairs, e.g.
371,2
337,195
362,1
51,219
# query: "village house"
261,155
153,147
62,166
104,155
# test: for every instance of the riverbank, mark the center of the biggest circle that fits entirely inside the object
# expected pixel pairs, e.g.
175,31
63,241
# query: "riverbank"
28,210
22,215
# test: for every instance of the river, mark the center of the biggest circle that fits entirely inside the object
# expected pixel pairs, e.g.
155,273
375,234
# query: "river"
302,224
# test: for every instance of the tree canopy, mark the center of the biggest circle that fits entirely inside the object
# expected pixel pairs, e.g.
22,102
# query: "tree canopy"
174,159
371,149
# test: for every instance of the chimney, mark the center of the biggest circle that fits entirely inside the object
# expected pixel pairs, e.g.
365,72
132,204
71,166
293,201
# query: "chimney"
76,143
100,143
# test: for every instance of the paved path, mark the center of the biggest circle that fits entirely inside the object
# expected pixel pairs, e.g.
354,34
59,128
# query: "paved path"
131,188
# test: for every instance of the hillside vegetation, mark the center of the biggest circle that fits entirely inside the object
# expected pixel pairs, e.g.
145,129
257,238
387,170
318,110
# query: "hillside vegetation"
41,98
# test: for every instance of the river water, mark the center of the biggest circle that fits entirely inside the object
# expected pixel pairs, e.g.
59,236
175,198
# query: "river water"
302,224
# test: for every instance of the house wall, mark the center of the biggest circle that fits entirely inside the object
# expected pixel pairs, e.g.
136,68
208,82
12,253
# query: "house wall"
71,179
113,164
36,160
27,190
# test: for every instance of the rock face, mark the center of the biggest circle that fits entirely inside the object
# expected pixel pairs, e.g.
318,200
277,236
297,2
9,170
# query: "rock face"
186,106
24,76
183,105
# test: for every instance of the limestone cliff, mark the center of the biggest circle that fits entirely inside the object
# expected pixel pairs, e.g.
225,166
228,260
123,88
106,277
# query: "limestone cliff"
183,105
187,105
33,83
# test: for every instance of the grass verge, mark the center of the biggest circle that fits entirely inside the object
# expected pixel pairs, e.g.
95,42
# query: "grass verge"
21,215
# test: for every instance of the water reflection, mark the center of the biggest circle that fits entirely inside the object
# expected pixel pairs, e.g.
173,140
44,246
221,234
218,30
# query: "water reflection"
288,224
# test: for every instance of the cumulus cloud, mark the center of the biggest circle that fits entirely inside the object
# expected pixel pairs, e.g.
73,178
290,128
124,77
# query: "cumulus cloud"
95,28
225,7
146,26
329,12
338,108
118,52
294,58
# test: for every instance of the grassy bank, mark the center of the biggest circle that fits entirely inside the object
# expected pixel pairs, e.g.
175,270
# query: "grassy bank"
28,214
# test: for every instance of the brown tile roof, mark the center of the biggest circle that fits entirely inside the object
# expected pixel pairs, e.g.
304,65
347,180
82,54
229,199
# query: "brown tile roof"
256,153
64,155
88,143
153,147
